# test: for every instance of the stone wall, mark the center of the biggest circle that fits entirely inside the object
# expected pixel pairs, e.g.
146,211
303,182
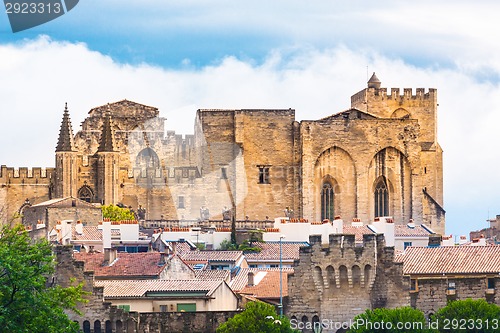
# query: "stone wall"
173,176
51,215
433,294
17,185
339,280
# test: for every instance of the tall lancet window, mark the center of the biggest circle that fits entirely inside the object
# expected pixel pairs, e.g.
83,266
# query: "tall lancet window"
381,198
327,196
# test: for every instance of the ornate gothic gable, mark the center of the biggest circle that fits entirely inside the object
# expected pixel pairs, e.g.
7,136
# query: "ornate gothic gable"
125,109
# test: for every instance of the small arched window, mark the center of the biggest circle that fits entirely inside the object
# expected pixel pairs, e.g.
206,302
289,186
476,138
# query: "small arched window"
85,193
86,326
327,201
381,195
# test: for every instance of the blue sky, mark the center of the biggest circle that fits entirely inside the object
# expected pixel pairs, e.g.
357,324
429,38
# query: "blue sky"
307,55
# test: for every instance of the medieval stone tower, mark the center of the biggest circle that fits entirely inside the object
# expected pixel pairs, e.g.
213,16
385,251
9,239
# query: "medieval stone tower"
378,158
337,280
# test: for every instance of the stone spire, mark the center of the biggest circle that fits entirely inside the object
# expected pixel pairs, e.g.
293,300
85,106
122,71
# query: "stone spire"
107,143
374,82
66,141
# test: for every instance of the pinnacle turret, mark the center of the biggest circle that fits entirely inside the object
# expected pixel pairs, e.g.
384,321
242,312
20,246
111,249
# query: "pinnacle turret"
107,143
374,82
66,140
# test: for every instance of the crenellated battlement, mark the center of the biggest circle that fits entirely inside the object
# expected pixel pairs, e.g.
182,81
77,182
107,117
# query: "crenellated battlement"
25,175
381,94
346,241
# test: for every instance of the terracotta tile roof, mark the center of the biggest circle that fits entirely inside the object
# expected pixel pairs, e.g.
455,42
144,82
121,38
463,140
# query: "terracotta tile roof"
206,256
213,274
127,265
271,251
139,288
451,260
180,247
405,231
92,233
240,281
268,286
358,232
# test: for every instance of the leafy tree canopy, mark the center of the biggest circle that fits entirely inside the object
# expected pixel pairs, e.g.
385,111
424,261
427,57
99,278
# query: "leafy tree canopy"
27,304
468,316
258,317
404,320
115,213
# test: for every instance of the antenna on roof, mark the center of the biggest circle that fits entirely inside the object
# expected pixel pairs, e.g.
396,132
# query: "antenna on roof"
367,77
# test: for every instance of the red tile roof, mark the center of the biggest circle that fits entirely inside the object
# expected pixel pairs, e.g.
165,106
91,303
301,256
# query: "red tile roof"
213,274
180,247
268,286
92,233
451,260
139,288
405,231
358,232
271,251
240,281
205,256
127,265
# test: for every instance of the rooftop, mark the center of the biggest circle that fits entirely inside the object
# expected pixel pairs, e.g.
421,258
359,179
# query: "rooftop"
140,288
268,285
451,260
271,251
206,256
240,281
127,265
358,232
417,231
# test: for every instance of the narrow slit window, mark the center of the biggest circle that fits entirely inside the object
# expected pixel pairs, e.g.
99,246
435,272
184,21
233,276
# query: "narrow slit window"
264,175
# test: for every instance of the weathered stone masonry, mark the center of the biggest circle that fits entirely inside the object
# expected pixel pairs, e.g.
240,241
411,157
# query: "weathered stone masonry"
337,281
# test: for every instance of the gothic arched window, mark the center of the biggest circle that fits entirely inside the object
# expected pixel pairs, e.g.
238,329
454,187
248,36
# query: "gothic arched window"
85,193
147,158
381,198
327,194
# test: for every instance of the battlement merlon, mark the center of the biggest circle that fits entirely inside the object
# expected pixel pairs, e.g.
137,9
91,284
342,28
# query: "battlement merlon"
349,241
380,94
25,172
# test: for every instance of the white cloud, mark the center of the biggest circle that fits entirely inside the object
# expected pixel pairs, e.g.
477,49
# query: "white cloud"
37,77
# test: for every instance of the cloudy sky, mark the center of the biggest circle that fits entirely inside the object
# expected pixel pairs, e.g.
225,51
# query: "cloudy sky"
180,55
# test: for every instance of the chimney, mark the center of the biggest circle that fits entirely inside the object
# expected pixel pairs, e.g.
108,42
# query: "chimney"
338,225
40,224
79,227
109,256
250,279
66,232
109,252
163,259
106,234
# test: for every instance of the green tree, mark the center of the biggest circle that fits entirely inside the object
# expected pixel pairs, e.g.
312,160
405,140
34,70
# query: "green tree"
467,316
227,245
258,317
233,230
115,213
404,320
27,304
